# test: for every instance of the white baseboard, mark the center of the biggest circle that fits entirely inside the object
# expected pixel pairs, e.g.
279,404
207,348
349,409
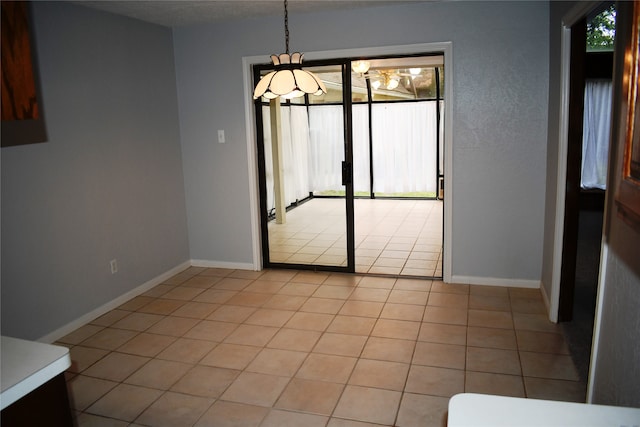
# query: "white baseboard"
492,281
547,303
94,314
222,264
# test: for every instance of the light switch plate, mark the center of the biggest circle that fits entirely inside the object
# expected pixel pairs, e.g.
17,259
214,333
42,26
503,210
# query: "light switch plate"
221,136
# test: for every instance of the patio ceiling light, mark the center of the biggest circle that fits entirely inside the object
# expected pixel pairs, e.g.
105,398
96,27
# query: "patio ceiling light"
288,80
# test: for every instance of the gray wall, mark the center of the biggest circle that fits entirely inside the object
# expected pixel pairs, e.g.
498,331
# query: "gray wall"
617,374
500,86
108,183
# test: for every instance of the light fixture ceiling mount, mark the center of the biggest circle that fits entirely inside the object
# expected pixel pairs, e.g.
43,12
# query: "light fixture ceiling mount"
288,80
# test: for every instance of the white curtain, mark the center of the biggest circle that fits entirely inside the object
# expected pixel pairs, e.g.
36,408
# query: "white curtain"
595,133
327,147
404,147
295,153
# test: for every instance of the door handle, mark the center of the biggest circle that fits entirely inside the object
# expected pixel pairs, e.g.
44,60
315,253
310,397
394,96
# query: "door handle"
347,175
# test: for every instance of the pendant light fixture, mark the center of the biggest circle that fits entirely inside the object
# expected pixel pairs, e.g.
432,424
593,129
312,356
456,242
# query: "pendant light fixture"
288,80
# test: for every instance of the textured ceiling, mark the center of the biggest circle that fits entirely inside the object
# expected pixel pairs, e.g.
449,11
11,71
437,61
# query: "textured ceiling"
173,13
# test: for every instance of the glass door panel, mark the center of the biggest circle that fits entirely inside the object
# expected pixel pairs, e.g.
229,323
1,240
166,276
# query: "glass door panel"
304,201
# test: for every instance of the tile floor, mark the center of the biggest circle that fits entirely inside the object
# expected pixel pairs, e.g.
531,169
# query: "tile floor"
396,237
215,347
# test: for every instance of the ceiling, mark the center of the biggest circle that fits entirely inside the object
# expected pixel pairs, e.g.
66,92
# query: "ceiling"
175,13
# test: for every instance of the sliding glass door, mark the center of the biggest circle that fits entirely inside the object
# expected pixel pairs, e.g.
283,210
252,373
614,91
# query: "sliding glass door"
304,150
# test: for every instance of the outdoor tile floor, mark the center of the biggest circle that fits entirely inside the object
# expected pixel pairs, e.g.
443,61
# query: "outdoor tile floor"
216,347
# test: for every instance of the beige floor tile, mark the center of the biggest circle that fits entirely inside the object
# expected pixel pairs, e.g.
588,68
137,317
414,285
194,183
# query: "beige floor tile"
418,410
109,338
211,330
490,302
326,367
493,360
421,285
285,302
434,381
340,422
204,282
251,335
232,284
146,344
340,344
269,317
400,296
380,374
89,420
491,338
497,384
273,361
125,402
451,316
230,414
84,390
161,306
279,418
256,389
83,357
376,282
138,321
444,334
294,339
158,374
158,291
402,312
450,288
340,279
196,310
175,410
232,313
185,293
309,321
389,349
205,381
264,286
116,366
528,305
368,404
535,322
545,365
299,289
249,299
322,305
440,355
310,277
490,319
179,278
549,389
370,294
186,350
361,308
401,329
109,318
215,296
230,356
460,301
333,292
316,397
173,326
541,342
352,325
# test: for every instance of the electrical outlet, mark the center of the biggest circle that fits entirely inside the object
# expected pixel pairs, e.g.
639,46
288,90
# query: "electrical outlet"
114,266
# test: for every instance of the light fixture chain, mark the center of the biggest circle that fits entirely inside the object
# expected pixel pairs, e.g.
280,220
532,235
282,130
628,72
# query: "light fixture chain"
286,27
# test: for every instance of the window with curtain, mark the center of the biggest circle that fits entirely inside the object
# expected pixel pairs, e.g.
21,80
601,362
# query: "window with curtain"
404,144
595,134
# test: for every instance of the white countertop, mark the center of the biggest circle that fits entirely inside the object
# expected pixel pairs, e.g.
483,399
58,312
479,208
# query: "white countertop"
480,410
26,365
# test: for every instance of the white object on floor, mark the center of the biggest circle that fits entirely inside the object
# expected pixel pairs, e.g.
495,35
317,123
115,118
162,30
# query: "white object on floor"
479,410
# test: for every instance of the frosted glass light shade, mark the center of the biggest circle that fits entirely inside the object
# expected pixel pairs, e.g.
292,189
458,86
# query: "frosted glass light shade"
288,80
